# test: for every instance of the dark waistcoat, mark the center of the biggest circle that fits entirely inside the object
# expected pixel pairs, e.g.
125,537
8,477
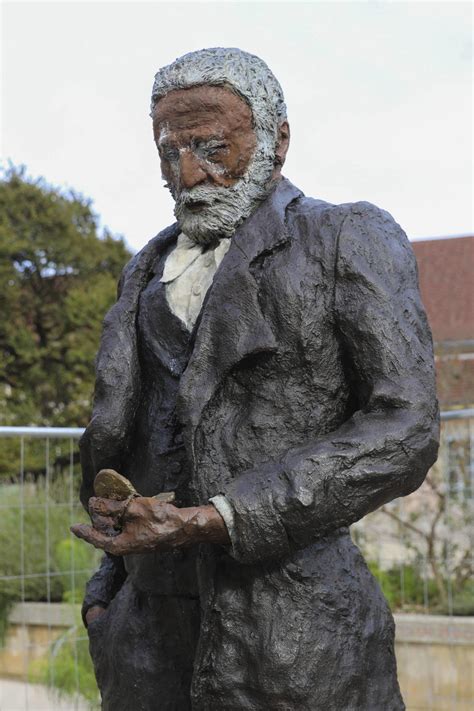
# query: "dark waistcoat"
157,460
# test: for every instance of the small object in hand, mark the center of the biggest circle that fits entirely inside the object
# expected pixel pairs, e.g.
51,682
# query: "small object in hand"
109,484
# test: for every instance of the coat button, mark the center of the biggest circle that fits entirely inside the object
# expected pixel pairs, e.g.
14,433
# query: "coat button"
196,289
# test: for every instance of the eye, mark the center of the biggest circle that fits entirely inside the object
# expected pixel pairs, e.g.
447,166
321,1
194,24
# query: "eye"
168,153
216,149
213,152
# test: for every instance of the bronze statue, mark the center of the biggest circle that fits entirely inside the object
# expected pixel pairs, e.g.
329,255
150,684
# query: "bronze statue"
269,361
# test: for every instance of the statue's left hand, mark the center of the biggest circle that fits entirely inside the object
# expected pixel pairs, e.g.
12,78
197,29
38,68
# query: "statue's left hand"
150,525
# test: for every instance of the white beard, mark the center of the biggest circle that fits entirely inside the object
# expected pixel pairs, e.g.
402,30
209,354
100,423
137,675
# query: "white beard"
225,208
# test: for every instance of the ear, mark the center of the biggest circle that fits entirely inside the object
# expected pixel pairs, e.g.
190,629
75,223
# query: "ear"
282,144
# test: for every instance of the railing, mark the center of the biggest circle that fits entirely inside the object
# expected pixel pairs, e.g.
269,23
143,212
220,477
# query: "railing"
42,432
457,414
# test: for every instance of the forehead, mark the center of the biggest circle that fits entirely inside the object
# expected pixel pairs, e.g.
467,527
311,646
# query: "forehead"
203,106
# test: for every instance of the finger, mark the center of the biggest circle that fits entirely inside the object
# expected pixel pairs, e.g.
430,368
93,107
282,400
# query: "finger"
105,524
94,612
106,507
94,537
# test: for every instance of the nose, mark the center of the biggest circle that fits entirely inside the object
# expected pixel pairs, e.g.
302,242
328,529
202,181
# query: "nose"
191,172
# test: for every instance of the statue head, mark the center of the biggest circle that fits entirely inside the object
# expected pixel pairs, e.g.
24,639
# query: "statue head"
220,126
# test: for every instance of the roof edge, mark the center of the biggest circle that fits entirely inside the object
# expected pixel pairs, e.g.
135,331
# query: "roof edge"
439,237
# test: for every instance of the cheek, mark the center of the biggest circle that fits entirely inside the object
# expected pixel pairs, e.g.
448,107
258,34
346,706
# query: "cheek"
215,169
229,169
220,175
239,159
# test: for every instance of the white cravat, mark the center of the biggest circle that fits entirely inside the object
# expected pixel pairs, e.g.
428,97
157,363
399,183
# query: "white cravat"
188,274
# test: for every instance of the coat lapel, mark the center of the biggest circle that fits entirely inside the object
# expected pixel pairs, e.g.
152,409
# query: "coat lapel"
232,325
118,385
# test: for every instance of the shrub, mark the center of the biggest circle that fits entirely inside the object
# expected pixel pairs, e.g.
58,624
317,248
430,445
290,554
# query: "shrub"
40,560
407,590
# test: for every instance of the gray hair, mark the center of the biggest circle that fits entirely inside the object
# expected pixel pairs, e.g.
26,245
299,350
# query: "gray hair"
247,75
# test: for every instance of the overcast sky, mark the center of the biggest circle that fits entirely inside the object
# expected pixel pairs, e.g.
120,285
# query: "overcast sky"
379,99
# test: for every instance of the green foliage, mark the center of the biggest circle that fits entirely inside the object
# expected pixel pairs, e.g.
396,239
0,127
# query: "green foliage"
72,555
404,587
35,541
6,603
68,668
407,590
462,602
58,278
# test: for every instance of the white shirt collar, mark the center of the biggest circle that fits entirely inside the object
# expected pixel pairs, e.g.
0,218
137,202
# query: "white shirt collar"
183,255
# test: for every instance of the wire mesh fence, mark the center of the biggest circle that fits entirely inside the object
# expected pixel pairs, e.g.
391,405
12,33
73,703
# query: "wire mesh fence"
43,573
419,548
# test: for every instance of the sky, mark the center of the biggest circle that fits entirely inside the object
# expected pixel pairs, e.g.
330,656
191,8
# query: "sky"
379,100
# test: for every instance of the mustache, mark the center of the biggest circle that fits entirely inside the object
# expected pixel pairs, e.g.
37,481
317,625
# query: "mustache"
208,212
203,195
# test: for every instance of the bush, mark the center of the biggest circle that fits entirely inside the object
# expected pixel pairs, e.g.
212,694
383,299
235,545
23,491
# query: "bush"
407,590
50,562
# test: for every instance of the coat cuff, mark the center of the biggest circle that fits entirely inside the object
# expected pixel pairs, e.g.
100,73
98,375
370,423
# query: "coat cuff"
226,510
258,531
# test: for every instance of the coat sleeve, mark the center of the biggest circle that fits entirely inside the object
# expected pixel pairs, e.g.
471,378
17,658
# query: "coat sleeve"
109,577
115,390
386,447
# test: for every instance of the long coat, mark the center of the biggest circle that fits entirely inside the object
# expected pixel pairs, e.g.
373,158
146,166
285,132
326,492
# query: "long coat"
308,401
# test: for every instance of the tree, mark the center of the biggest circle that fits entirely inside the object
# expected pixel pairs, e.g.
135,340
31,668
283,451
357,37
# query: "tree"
58,276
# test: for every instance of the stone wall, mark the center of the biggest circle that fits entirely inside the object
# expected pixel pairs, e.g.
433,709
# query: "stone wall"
435,657
33,627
